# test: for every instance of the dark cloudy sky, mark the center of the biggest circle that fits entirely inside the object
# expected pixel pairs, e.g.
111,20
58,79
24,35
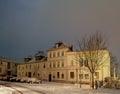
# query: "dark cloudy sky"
27,26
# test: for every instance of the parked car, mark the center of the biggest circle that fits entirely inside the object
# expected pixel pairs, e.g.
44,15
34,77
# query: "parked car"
23,79
18,79
13,79
33,80
4,78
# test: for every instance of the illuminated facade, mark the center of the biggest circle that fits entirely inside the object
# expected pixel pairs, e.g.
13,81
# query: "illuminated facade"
61,66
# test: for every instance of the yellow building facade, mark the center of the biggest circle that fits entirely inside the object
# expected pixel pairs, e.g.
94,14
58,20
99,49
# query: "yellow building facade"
8,67
61,65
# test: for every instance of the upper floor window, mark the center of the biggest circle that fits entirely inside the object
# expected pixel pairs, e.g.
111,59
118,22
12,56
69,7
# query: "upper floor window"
71,62
83,62
86,76
53,64
53,54
50,65
58,74
80,76
62,54
62,63
30,66
58,64
0,70
50,55
8,66
86,62
58,54
26,66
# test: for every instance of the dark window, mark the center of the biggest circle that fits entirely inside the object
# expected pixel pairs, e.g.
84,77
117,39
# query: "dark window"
81,62
58,65
62,76
38,74
34,74
53,64
0,69
8,66
26,66
26,73
50,55
50,65
54,54
58,74
44,65
72,75
86,63
53,76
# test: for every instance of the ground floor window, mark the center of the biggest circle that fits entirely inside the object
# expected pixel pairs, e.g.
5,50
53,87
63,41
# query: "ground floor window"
72,75
58,74
62,76
80,76
97,75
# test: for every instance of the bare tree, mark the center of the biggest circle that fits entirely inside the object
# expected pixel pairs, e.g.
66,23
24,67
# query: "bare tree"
114,66
93,47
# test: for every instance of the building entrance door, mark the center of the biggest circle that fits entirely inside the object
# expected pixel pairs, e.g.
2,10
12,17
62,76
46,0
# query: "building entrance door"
49,77
29,74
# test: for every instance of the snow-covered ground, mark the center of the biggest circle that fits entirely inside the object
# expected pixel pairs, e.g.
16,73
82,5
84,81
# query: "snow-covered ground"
5,90
53,88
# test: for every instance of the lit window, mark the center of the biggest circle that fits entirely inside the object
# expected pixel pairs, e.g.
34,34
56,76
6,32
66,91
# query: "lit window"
86,76
50,65
97,75
80,76
86,63
62,63
58,54
71,62
53,64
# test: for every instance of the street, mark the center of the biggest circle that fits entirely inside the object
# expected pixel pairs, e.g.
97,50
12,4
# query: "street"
49,88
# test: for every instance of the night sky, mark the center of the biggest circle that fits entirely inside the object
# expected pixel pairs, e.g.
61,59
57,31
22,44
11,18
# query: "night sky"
27,26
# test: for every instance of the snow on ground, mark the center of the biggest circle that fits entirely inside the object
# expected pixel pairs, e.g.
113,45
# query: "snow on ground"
5,90
55,88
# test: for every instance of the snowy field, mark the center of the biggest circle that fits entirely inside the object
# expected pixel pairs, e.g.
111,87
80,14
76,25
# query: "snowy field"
52,88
